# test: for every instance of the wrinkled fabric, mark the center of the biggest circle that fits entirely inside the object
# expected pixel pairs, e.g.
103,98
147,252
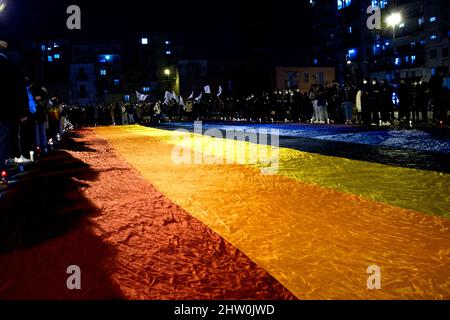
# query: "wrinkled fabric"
419,190
130,241
315,239
347,148
414,139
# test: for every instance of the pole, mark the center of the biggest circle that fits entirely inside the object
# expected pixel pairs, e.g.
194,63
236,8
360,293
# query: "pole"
394,45
394,39
20,139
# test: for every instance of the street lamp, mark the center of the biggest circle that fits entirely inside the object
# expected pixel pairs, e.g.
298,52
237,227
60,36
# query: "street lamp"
393,21
167,73
2,6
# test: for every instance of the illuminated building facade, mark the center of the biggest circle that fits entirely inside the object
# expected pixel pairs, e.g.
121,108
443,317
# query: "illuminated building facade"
418,45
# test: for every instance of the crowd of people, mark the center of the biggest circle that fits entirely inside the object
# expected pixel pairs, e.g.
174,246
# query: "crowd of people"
31,119
372,102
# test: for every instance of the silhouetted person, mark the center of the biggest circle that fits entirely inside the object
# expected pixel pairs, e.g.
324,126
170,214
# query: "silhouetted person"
375,102
423,100
40,95
13,102
348,98
437,96
418,102
404,95
365,103
386,103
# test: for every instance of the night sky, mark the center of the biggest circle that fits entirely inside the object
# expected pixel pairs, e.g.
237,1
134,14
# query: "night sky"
207,28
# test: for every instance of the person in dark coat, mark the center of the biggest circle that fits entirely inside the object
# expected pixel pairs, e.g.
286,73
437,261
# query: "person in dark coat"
437,96
40,95
375,102
387,105
13,102
365,103
404,95
423,100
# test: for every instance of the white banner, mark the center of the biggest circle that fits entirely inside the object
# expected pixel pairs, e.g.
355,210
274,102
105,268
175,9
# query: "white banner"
199,97
141,97
174,96
167,97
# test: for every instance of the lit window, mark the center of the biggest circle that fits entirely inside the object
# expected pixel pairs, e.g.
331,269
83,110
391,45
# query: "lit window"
352,54
116,82
50,58
350,29
380,3
167,42
343,4
316,61
433,37
395,98
126,98
103,72
105,58
377,49
433,19
398,61
57,56
421,21
168,52
144,41
146,89
413,59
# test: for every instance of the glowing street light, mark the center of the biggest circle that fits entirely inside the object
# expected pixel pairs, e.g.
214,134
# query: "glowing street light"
167,73
2,6
394,19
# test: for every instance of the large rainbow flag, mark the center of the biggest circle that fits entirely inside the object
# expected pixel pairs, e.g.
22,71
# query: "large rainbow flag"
318,223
